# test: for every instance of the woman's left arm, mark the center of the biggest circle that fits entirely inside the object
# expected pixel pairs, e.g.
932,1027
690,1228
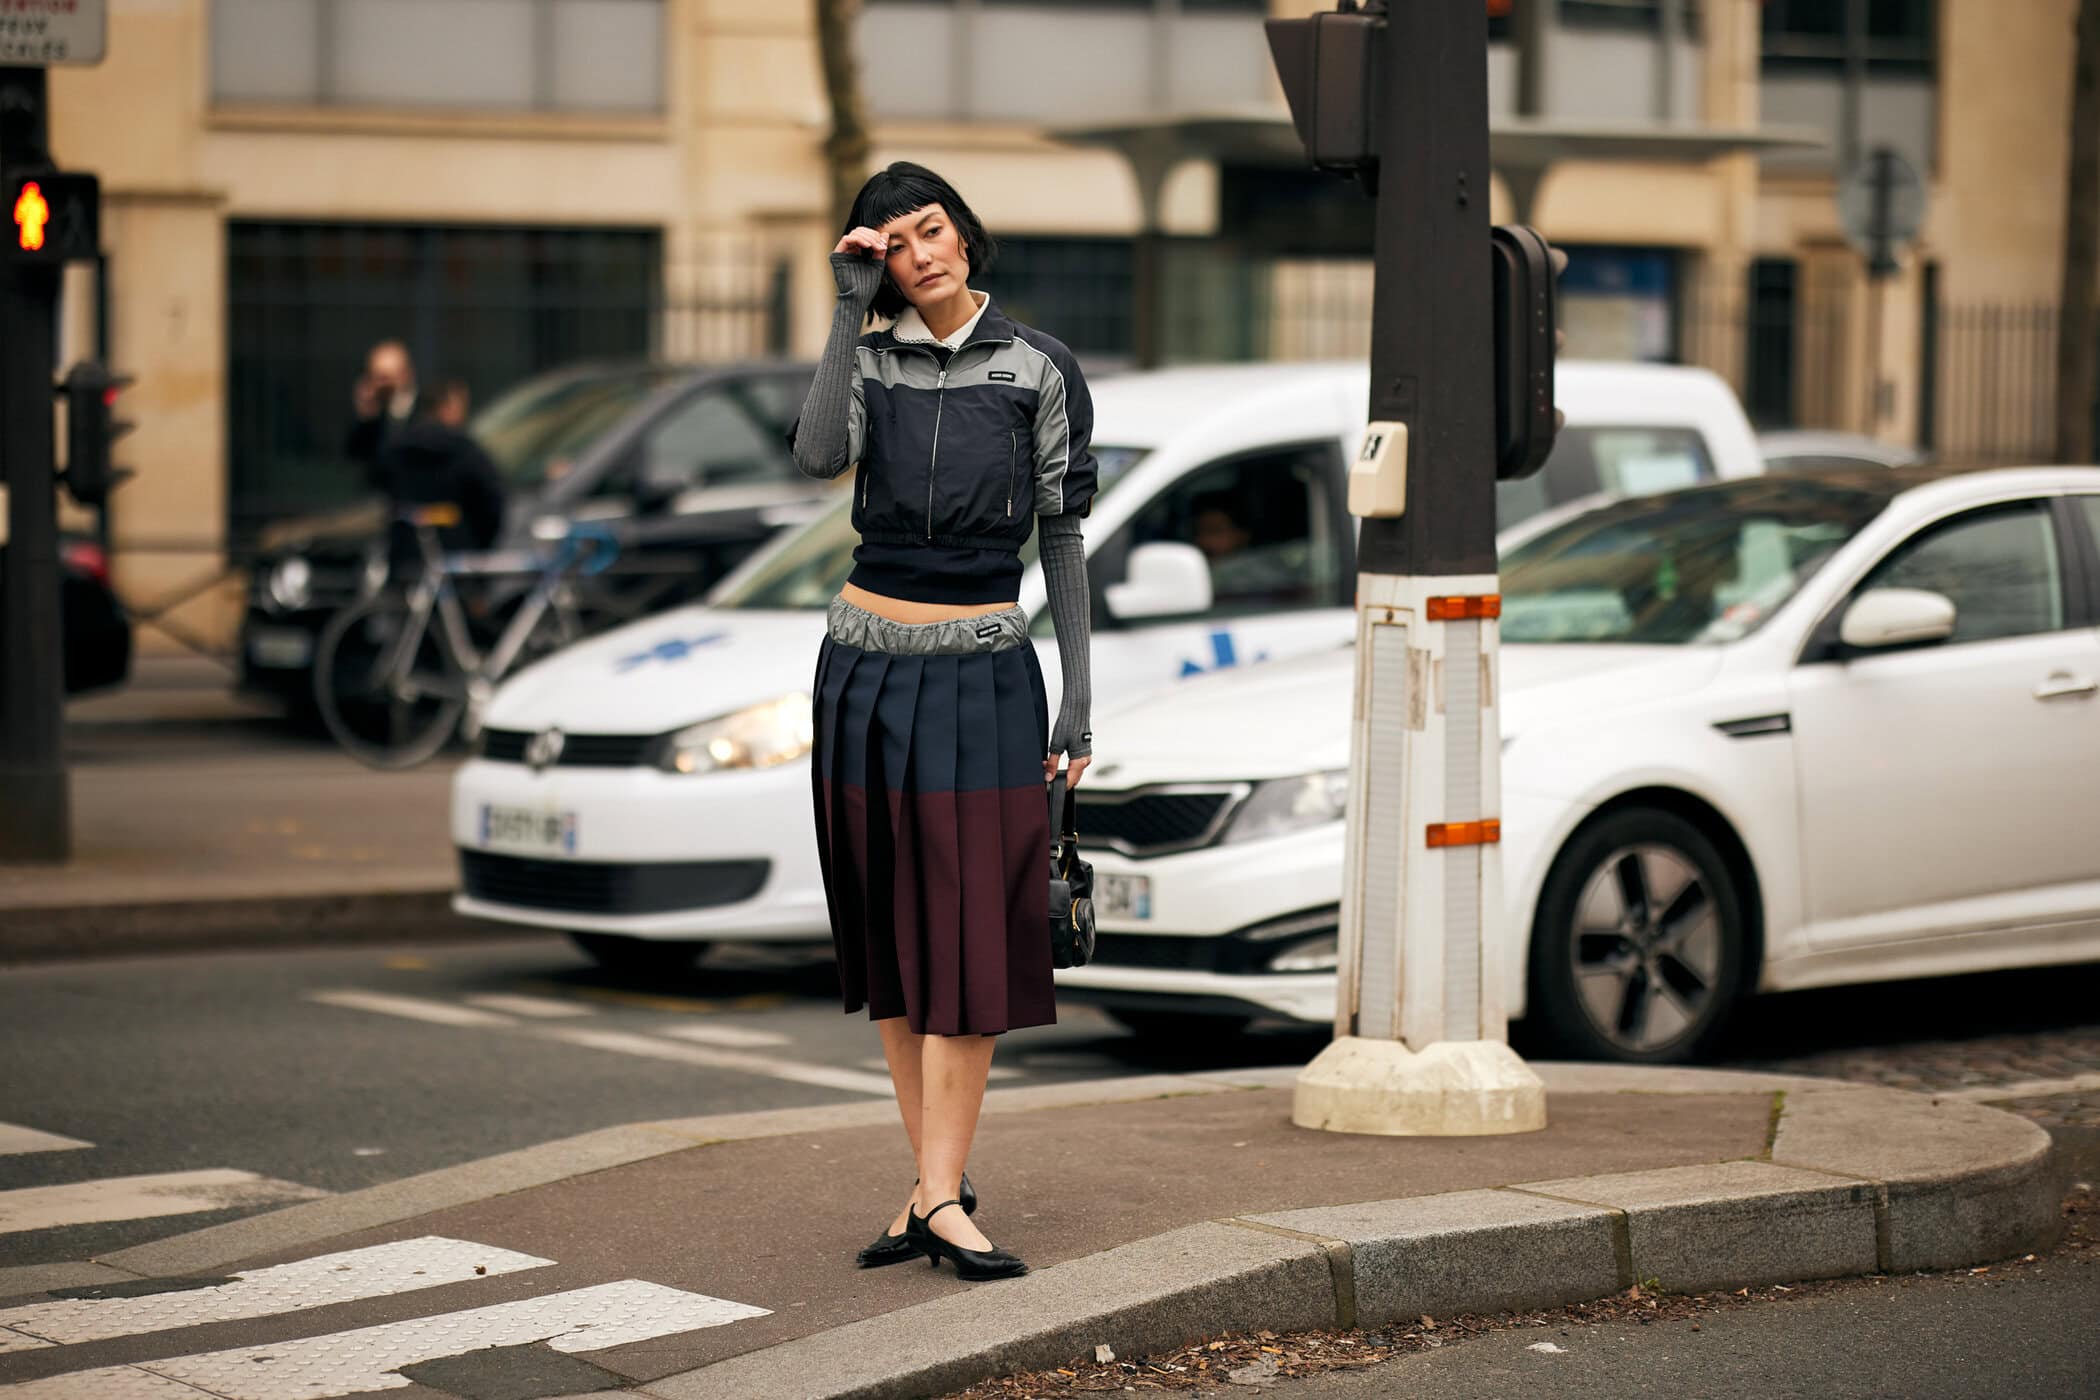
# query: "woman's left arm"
1064,492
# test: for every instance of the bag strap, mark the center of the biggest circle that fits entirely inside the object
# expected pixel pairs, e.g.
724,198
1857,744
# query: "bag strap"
1058,795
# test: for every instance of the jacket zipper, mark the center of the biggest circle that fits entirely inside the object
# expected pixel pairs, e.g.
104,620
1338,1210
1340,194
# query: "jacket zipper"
940,401
1013,453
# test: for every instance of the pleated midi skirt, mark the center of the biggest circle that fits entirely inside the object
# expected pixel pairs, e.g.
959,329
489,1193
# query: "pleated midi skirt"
933,829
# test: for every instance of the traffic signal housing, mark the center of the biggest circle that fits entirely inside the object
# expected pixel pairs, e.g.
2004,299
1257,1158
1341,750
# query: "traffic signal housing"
1326,63
1527,342
90,392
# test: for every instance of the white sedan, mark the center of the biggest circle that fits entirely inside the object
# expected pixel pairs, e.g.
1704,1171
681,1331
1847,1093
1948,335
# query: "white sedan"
1761,735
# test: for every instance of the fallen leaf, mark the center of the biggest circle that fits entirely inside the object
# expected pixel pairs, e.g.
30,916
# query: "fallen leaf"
1266,1335
1428,1323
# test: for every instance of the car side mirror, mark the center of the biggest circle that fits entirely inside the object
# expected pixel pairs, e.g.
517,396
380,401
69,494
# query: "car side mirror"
1896,617
1165,580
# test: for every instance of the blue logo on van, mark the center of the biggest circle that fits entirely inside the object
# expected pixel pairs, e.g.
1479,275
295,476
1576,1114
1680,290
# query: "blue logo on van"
1223,654
675,649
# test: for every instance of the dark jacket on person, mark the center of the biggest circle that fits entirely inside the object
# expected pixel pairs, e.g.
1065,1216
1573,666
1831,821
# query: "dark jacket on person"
426,463
958,451
367,437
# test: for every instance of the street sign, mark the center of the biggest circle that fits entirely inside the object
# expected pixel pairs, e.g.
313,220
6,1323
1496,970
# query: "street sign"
1881,207
37,33
52,217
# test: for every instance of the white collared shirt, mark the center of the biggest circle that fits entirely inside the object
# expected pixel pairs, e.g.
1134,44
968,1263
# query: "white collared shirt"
912,326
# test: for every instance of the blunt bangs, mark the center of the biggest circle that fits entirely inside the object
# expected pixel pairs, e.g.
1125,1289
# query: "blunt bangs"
898,189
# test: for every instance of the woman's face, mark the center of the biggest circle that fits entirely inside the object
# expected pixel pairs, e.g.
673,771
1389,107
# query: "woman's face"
926,258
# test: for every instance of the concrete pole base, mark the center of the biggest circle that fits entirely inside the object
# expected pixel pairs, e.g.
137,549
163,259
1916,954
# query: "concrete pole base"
1453,1088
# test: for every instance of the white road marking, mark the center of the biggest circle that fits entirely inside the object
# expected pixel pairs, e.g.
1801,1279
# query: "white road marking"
444,1013
2026,1089
343,1277
15,1139
540,1008
142,1198
734,1037
370,1358
656,1048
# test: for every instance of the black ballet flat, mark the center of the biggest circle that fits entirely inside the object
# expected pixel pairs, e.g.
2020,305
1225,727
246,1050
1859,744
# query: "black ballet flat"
895,1249
971,1265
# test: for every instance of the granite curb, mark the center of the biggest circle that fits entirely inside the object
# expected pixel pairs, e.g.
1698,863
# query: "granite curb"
1855,1181
65,932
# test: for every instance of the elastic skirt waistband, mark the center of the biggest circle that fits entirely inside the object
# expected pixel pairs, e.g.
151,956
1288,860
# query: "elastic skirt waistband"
854,626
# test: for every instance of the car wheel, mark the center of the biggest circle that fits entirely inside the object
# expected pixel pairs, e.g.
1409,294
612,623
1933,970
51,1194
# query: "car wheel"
1637,954
1179,1025
640,957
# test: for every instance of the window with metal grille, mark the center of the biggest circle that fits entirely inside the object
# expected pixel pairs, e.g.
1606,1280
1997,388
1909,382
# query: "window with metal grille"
486,305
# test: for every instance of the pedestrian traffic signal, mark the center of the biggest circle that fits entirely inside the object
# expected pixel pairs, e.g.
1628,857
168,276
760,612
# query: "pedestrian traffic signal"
1527,342
90,392
52,218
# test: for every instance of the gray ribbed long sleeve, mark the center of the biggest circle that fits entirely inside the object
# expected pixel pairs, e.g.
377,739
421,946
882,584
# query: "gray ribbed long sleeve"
1064,577
824,444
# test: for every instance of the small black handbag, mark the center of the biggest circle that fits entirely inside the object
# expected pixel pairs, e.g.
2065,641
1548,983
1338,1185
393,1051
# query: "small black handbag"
1071,884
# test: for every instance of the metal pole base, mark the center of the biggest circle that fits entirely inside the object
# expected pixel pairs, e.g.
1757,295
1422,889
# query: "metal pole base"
1453,1088
36,820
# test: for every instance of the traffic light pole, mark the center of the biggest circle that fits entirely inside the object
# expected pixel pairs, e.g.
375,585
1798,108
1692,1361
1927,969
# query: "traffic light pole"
1420,1026
35,806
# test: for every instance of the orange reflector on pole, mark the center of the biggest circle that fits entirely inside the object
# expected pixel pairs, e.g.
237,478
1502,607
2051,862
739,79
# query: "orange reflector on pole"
1460,608
1465,833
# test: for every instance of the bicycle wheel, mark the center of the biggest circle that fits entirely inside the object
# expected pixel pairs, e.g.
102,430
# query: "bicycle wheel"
388,687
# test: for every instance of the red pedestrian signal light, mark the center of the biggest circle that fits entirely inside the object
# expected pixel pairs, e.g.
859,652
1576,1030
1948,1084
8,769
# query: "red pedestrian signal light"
32,212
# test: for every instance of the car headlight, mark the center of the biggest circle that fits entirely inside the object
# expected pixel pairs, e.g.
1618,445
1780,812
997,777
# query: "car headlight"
763,736
291,583
1284,805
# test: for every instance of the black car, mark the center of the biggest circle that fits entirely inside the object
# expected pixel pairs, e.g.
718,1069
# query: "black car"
689,465
94,629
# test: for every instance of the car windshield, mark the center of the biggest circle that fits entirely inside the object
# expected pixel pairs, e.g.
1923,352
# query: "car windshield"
535,430
809,569
1702,566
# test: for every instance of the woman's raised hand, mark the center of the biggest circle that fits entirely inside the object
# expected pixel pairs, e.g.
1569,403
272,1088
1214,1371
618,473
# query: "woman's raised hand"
865,241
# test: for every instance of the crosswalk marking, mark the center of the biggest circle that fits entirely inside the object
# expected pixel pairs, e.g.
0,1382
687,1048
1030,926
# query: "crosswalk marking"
541,1008
876,1062
370,1358
656,1048
733,1037
443,1013
142,1198
15,1139
346,1276
2025,1089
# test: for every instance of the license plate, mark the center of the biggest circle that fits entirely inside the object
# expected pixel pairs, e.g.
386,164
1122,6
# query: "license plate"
529,828
1123,896
280,648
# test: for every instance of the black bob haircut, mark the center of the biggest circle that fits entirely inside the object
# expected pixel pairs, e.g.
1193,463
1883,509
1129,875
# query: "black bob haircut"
901,187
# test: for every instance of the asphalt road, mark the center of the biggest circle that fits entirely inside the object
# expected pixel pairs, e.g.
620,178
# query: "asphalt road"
339,1069
2028,1333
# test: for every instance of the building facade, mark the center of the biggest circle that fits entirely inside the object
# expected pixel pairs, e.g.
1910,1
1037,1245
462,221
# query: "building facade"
512,184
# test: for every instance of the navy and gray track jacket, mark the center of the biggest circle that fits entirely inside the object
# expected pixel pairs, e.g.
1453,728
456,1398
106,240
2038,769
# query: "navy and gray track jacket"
957,451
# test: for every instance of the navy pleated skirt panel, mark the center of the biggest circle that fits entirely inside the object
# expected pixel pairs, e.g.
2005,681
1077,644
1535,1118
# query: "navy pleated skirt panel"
934,835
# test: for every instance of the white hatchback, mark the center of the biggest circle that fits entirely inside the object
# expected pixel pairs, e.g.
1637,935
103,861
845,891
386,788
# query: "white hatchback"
1765,734
648,790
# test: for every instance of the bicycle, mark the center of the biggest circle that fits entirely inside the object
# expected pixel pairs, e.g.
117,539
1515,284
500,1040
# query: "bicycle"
393,689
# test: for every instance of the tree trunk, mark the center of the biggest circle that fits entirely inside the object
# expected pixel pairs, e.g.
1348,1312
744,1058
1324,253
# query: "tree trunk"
846,148
2078,329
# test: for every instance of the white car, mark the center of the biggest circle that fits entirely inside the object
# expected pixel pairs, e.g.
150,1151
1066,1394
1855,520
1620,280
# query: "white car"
648,790
1766,734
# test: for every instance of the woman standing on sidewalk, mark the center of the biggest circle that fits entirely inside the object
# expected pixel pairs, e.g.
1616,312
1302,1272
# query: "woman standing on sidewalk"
930,713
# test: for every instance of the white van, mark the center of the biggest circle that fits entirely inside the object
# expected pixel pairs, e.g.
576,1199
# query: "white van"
648,791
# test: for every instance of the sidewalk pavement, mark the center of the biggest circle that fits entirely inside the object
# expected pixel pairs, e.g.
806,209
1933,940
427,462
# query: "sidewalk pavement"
1154,1210
201,819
